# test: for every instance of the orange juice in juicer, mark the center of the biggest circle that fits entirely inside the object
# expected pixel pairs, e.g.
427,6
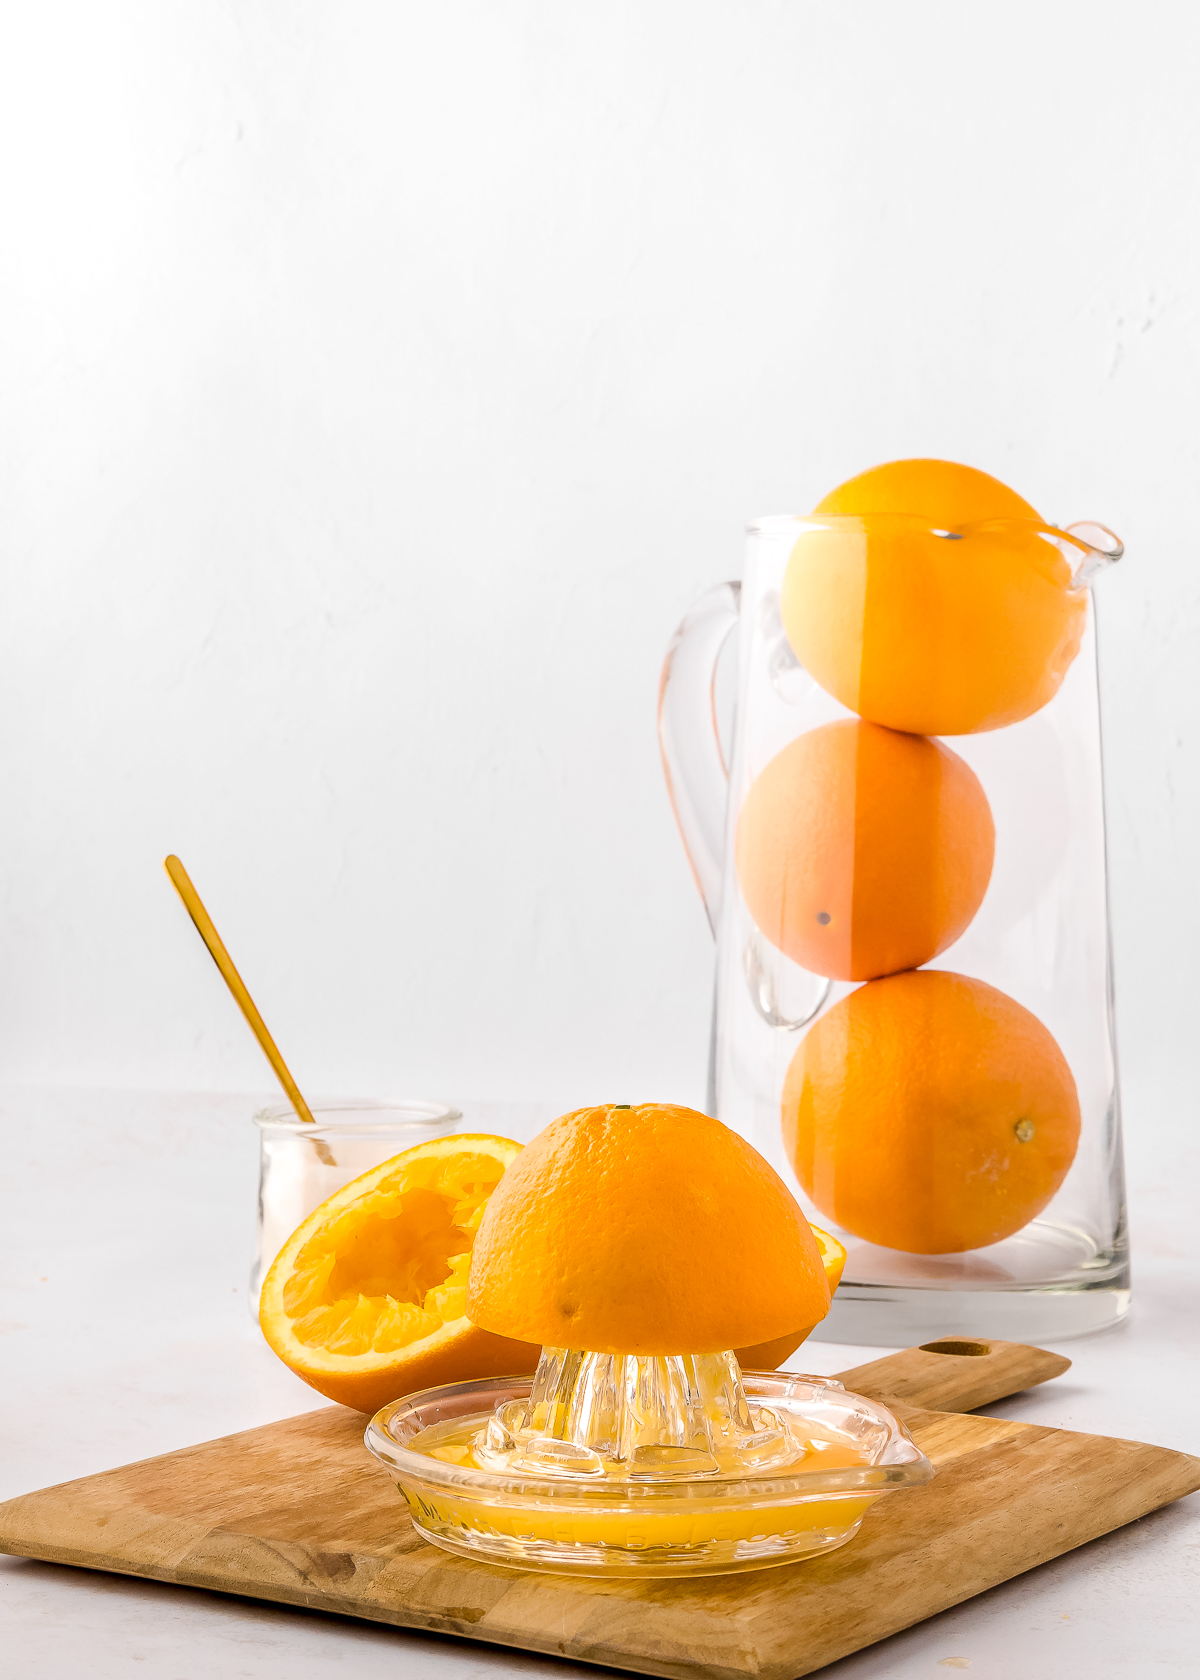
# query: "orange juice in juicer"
642,1246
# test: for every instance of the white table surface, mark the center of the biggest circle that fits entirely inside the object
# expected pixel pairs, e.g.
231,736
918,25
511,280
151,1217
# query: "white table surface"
125,1229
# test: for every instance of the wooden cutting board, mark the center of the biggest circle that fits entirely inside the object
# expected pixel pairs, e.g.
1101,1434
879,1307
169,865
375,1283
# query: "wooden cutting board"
298,1513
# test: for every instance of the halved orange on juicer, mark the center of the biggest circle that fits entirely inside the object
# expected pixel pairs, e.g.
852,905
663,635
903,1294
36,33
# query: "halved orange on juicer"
366,1301
646,1230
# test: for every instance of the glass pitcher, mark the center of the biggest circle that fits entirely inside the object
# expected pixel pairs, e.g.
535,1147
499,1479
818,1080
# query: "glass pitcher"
899,841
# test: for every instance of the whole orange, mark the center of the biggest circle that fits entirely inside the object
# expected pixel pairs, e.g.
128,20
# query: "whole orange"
941,492
934,601
931,1113
861,851
650,1229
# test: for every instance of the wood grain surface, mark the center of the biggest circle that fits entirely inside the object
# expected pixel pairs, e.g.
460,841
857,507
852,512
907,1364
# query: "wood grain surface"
959,1376
297,1513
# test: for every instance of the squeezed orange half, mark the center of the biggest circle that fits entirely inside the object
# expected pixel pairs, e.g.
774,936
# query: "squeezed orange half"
366,1301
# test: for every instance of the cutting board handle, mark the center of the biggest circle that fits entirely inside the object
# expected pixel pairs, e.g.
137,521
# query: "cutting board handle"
955,1373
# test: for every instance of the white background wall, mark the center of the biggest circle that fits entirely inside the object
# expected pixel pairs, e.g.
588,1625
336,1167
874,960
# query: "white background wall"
382,381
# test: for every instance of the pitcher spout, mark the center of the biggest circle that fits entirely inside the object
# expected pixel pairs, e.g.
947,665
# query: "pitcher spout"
1092,548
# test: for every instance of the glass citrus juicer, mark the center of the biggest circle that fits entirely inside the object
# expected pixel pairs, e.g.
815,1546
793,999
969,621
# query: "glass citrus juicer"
640,1246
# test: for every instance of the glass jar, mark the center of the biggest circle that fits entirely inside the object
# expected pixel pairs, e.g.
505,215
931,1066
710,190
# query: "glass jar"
301,1163
925,1051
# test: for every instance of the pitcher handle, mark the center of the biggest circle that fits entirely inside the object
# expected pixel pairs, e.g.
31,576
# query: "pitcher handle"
693,760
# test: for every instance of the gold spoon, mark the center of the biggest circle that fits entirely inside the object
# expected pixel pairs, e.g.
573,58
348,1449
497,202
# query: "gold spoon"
216,950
